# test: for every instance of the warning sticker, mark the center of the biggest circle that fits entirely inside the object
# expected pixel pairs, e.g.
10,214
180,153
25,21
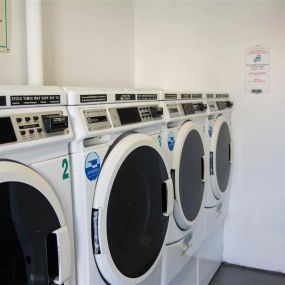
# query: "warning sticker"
92,166
170,141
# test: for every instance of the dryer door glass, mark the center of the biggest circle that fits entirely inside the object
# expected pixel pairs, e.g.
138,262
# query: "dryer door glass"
136,227
191,175
28,249
223,157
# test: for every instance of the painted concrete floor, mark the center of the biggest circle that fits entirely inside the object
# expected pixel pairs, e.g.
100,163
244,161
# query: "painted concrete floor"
229,274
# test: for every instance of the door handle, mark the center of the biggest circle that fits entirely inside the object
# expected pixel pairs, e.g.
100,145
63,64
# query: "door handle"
167,197
203,170
63,249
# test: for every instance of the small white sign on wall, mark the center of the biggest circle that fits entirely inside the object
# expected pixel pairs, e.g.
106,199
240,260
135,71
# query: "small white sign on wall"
257,70
4,26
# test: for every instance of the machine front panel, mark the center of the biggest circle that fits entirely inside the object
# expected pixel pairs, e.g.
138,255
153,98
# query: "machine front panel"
22,127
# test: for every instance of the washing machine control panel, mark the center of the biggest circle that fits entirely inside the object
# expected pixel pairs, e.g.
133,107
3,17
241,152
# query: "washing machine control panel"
122,116
173,110
96,119
22,127
193,108
219,105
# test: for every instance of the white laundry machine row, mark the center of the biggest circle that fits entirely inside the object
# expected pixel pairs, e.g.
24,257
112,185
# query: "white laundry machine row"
219,142
36,219
183,142
122,187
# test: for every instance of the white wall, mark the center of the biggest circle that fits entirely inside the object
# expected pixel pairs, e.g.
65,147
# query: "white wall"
89,43
200,45
86,43
13,65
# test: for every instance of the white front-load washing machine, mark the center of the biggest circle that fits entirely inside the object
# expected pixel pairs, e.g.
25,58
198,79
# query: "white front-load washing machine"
183,141
36,220
122,188
220,160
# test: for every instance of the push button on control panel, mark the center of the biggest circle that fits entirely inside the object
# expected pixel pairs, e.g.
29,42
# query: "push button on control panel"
23,133
27,119
19,120
31,132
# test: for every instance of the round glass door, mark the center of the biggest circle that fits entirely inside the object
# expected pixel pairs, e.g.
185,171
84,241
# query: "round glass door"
27,248
220,157
223,157
136,202
191,175
136,226
188,164
34,240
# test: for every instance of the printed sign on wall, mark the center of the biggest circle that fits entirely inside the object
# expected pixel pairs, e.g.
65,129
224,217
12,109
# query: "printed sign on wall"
257,70
4,26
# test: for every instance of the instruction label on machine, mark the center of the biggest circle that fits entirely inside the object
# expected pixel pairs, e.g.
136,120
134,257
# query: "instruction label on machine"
35,100
4,25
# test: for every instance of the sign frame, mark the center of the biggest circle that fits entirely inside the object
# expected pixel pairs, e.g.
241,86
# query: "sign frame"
5,45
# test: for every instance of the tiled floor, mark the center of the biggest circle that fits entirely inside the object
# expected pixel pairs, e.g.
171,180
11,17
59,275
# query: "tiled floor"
235,275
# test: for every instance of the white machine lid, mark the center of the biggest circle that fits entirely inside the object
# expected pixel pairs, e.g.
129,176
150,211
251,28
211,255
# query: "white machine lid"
133,201
93,96
220,156
33,225
189,174
31,96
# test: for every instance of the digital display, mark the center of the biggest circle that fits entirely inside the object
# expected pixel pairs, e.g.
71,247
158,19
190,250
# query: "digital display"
98,119
29,126
129,115
7,133
188,109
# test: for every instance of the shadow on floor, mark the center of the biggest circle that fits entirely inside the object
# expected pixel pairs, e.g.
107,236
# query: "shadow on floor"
229,274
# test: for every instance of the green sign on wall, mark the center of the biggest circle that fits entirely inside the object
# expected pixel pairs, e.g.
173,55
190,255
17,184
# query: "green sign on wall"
4,25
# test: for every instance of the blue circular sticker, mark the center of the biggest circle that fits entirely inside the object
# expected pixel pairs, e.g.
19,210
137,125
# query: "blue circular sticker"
92,166
170,141
210,129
